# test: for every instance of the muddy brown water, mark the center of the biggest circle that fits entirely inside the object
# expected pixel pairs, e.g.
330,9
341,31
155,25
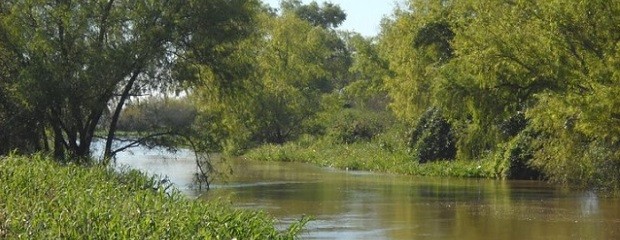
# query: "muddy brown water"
364,205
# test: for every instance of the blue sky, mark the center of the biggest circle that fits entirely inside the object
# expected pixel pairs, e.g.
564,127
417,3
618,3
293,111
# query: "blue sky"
363,16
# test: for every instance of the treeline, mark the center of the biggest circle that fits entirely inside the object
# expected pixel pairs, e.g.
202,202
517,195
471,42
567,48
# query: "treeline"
531,83
527,87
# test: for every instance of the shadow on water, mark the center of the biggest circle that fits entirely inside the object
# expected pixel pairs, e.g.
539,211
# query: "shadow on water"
362,205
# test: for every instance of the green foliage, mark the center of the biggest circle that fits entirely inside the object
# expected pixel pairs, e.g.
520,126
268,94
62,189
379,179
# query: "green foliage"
384,154
328,15
432,138
157,115
21,129
513,125
569,156
40,199
438,34
415,45
294,64
499,68
366,89
353,125
73,60
513,160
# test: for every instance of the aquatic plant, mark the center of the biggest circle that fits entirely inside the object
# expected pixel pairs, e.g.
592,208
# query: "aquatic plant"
41,199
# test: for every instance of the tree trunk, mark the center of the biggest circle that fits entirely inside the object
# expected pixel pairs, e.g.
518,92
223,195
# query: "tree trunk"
59,143
107,154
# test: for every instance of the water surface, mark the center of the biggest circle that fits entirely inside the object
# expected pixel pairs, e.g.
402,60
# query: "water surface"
362,205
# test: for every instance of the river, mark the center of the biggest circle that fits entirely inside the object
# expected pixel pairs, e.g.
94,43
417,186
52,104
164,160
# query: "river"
363,205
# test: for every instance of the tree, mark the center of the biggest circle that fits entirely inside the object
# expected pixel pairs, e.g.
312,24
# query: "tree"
20,128
292,65
548,61
534,82
327,16
415,44
77,58
367,71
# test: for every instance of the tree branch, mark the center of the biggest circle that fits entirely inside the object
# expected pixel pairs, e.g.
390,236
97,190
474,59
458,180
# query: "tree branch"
137,142
119,107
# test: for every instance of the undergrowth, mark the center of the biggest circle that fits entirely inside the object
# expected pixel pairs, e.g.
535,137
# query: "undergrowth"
40,199
379,155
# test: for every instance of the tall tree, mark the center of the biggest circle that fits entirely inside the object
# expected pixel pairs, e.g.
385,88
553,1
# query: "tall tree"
76,58
19,127
367,71
328,15
535,80
291,62
416,43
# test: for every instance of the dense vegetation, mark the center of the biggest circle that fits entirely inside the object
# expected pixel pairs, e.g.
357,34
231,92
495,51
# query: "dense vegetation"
508,89
530,83
41,199
523,89
67,71
69,67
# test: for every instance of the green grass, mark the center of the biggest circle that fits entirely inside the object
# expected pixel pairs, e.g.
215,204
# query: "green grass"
40,199
379,156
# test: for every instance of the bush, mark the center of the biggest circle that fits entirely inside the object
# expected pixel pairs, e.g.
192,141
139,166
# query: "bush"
579,161
432,138
353,125
518,153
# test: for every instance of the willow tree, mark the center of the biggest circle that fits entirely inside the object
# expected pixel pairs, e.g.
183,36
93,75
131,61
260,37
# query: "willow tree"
367,71
529,80
80,60
551,62
19,127
415,44
291,63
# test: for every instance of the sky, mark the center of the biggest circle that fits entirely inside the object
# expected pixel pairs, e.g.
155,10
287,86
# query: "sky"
363,16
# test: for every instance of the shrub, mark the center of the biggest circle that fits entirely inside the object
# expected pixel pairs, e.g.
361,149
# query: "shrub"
518,153
579,161
353,125
432,138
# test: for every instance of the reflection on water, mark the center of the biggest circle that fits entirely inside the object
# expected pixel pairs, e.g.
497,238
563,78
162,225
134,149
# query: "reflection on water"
589,203
179,167
359,205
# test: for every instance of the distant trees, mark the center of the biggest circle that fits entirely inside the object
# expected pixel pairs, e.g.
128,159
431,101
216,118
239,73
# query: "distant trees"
158,114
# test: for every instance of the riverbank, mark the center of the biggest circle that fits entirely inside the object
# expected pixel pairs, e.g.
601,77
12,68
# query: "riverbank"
40,199
372,156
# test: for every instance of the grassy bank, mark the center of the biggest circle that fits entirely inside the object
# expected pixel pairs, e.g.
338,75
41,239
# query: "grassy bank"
371,156
40,199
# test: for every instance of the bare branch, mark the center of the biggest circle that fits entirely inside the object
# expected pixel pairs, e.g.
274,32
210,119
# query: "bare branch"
137,142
